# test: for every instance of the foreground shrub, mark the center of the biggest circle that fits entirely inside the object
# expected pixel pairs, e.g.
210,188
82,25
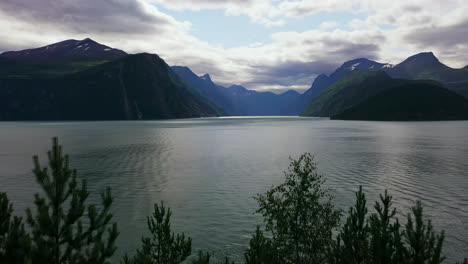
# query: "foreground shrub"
163,247
300,219
379,238
60,231
300,214
261,250
15,243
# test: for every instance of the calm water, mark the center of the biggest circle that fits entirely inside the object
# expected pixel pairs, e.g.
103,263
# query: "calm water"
208,170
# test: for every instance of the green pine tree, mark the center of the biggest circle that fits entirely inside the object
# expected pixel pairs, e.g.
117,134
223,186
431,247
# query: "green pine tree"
300,214
15,243
353,241
424,245
202,258
205,258
261,250
383,225
65,229
163,247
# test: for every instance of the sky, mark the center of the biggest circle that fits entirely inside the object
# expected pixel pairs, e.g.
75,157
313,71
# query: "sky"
272,45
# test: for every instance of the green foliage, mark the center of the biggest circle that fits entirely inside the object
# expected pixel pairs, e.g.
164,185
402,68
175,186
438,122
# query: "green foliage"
202,258
14,241
424,245
352,244
379,238
205,258
299,214
60,232
261,250
385,242
163,247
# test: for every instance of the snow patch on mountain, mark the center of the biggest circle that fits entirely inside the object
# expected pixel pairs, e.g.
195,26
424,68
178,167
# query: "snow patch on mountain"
353,67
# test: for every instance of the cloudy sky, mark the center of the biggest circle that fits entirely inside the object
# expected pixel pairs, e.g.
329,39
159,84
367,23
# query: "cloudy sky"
261,44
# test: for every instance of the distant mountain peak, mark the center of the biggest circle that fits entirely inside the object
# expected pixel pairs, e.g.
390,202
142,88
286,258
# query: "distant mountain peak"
290,92
418,66
206,77
357,60
237,89
360,64
78,49
425,56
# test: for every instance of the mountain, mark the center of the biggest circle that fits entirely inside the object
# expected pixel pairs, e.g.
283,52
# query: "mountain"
323,81
237,100
419,66
422,66
61,58
410,102
218,95
132,87
290,94
349,91
86,49
426,66
255,103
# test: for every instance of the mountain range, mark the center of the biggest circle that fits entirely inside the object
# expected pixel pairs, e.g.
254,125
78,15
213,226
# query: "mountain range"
130,87
410,102
323,81
361,83
237,100
85,80
422,66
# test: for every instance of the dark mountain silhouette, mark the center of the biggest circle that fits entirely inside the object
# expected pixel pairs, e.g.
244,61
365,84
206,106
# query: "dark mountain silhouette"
410,102
262,103
133,87
52,74
425,66
218,95
86,49
64,57
422,66
238,100
352,90
419,66
323,81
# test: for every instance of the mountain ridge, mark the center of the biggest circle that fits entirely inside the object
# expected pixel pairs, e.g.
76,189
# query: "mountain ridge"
410,102
68,57
238,100
68,49
322,81
136,86
352,90
426,65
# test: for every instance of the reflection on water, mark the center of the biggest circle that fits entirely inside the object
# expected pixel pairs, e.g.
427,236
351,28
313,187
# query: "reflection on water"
208,170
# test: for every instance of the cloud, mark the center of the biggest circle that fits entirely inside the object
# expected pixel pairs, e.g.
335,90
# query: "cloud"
307,8
448,40
105,16
328,25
